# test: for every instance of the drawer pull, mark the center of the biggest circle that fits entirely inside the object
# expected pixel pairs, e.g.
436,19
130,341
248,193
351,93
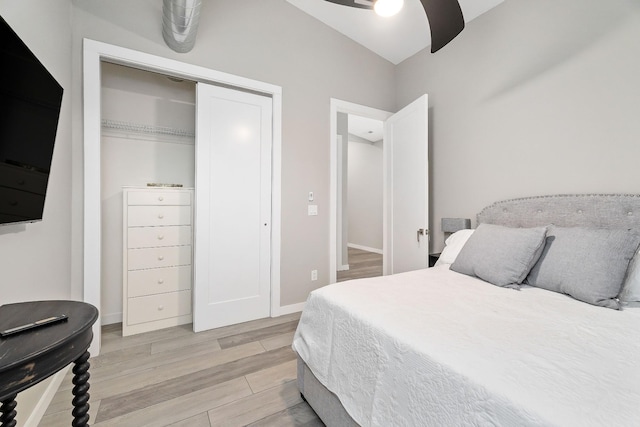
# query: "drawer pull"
160,281
160,198
160,216
160,307
160,257
160,237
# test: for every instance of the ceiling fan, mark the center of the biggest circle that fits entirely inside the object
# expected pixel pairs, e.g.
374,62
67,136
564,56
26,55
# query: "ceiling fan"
445,18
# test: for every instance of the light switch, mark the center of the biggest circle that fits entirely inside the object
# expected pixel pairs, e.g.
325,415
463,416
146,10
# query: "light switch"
311,196
313,210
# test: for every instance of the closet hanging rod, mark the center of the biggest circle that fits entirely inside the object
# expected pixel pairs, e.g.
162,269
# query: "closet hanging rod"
146,129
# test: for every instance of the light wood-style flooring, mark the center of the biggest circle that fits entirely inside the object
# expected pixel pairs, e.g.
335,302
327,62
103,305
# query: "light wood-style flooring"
240,375
361,264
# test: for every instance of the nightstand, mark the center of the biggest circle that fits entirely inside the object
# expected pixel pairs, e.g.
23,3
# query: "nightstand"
433,258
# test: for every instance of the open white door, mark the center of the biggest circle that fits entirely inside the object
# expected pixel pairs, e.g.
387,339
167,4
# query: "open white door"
232,247
407,189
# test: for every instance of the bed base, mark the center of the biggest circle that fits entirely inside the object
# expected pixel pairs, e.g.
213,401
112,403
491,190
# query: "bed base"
325,404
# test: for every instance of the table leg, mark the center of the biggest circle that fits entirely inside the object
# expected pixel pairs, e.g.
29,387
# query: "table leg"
80,391
8,412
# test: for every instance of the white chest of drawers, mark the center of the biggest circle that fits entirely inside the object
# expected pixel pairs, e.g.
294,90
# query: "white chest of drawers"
157,248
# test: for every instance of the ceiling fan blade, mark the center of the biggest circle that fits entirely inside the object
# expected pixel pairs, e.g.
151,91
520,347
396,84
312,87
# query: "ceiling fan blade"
353,3
445,20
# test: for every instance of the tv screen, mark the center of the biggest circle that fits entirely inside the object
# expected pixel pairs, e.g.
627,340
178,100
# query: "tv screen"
30,101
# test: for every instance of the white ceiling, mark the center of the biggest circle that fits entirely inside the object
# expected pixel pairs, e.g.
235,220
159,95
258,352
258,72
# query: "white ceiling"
369,129
395,38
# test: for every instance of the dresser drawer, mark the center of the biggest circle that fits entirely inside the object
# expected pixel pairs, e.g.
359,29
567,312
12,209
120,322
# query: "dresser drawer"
159,197
159,280
149,237
139,259
157,307
139,216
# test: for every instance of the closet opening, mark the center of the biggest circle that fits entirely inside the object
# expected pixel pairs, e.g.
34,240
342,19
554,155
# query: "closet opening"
147,153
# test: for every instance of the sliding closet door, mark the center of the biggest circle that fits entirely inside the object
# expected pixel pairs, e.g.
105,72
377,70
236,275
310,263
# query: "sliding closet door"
233,207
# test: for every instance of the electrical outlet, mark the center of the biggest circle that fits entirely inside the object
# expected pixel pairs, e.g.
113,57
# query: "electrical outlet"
314,274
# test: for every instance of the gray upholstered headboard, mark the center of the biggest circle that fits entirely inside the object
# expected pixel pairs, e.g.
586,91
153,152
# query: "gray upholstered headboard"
566,210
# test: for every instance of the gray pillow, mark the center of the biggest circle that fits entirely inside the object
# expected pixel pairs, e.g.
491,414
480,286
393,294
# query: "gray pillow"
501,255
631,287
588,264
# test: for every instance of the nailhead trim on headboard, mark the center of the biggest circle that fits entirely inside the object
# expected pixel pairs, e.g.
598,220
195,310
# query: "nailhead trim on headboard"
566,210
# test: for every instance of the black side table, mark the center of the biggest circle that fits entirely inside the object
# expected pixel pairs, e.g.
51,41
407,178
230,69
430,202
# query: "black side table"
32,356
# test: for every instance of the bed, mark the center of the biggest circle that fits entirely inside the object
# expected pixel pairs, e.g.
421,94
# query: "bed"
436,347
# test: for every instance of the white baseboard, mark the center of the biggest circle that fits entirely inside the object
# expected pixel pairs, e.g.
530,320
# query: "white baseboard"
343,267
41,407
364,248
108,319
292,308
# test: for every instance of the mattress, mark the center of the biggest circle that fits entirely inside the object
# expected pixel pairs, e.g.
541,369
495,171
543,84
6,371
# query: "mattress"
433,347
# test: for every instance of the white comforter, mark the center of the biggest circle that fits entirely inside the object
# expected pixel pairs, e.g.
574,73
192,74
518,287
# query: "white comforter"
437,348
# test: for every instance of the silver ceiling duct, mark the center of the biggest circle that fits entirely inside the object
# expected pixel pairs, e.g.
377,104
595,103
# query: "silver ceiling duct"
180,20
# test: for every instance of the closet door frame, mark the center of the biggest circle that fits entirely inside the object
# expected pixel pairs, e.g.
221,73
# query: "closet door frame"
94,53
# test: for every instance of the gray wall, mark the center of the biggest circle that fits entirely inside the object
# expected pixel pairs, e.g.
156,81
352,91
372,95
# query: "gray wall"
271,41
36,258
534,97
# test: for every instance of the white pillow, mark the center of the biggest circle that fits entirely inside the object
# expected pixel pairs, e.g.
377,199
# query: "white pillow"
454,244
631,287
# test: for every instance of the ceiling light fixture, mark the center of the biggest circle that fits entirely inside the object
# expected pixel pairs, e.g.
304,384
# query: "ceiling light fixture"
388,8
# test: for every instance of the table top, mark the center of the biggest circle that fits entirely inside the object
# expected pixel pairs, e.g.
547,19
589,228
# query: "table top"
31,356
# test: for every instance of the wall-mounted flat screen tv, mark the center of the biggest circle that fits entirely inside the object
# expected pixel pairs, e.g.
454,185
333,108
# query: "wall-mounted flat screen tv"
30,101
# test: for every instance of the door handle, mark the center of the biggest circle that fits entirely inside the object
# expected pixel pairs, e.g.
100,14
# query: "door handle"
421,232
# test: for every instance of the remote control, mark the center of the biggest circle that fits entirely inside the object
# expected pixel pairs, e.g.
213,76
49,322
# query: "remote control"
36,324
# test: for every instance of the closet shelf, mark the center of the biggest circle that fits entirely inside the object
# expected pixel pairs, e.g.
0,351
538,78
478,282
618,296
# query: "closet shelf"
142,129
